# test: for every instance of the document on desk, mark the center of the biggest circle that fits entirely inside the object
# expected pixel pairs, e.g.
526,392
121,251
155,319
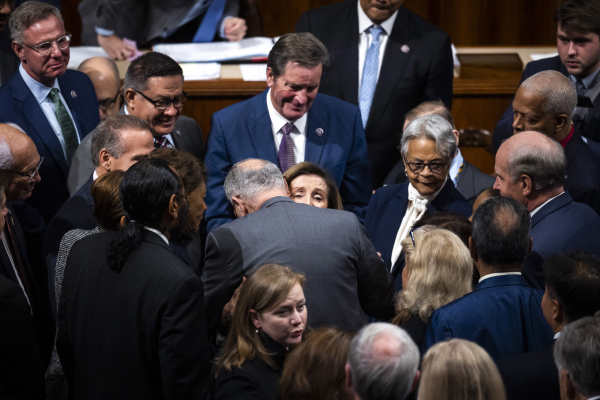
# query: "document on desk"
536,57
81,53
217,51
254,72
200,71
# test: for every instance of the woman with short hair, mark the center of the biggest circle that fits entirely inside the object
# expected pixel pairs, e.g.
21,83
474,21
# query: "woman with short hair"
312,185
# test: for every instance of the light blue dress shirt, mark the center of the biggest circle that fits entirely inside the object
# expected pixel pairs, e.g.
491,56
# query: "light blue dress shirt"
455,167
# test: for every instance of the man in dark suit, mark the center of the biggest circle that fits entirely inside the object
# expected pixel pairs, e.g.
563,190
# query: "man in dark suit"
572,282
9,62
116,144
154,93
503,313
530,168
346,280
578,44
289,123
131,320
387,60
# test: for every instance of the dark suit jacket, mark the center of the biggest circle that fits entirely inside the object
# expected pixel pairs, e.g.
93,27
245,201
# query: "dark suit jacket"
503,315
472,182
386,210
9,62
137,333
21,371
560,226
344,277
243,130
423,73
416,328
531,376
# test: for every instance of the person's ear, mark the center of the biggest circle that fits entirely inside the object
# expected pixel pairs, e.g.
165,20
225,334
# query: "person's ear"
526,185
473,249
560,121
239,206
270,77
457,137
130,99
19,51
557,312
123,221
105,159
254,317
173,206
416,381
287,188
567,388
348,376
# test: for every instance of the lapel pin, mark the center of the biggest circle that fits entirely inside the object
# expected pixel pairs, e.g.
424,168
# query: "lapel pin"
404,48
73,94
319,132
178,133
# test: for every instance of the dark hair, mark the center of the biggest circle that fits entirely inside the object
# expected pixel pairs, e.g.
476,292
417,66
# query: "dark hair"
107,205
302,48
108,135
582,16
453,222
145,193
501,229
431,107
150,65
315,370
334,200
573,279
191,170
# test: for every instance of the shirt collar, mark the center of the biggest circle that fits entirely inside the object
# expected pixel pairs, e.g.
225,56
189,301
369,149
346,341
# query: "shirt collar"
365,23
39,91
557,335
278,121
540,206
483,278
567,139
588,80
457,162
163,237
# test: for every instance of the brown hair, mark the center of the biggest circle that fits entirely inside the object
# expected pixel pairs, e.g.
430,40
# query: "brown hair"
107,205
191,170
302,48
27,14
334,200
582,16
263,290
315,370
428,108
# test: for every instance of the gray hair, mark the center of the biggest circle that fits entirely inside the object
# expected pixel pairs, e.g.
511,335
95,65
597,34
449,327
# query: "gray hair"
431,127
109,134
302,48
544,163
7,159
28,14
577,350
558,92
247,181
376,376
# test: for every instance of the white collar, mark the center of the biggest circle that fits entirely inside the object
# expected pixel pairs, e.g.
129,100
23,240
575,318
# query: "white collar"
365,23
158,233
278,121
540,206
483,278
94,176
557,335
39,91
431,197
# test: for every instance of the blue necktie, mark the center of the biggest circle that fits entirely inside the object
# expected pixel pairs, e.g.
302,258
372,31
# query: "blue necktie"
208,27
369,75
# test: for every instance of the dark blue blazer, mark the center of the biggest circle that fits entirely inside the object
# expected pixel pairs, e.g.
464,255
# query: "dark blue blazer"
243,130
560,226
386,210
503,315
20,106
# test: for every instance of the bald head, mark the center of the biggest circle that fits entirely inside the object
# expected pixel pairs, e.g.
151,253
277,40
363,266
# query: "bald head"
19,156
104,74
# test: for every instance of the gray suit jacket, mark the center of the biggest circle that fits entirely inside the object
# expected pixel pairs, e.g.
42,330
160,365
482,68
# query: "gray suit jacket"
472,182
345,279
186,135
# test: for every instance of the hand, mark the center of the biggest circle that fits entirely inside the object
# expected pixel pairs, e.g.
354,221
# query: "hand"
235,28
115,47
229,308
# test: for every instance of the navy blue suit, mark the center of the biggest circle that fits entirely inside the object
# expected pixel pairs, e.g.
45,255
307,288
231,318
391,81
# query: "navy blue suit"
503,315
560,226
386,211
243,130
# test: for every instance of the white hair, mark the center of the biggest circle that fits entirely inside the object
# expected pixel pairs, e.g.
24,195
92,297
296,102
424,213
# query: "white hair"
247,181
432,127
7,159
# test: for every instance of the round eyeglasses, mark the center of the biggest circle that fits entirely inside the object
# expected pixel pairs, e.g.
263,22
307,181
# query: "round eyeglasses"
31,175
45,48
437,167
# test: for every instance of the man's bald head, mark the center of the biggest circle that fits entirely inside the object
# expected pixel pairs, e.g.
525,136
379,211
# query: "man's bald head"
104,74
19,157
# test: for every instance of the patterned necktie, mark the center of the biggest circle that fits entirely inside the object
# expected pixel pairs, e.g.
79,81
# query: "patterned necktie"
160,143
66,125
286,149
369,75
579,119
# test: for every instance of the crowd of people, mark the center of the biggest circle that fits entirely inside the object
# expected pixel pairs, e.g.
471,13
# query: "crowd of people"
329,241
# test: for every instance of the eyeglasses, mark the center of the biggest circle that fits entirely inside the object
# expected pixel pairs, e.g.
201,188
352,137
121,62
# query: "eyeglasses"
45,48
162,105
30,176
106,103
437,167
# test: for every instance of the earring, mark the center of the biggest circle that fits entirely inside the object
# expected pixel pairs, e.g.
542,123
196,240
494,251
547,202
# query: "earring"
257,329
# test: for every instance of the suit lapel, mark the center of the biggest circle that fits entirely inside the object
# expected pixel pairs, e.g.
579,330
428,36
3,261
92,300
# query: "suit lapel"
348,61
572,149
75,104
395,214
315,144
261,131
442,200
33,113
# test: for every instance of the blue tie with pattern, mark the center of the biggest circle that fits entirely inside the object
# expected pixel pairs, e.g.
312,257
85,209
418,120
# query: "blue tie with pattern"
369,75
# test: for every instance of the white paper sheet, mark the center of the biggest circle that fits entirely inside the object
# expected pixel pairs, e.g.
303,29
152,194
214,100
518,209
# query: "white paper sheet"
81,53
536,57
201,71
217,51
254,72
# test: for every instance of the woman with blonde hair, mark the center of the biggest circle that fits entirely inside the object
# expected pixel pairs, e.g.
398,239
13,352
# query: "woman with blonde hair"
438,271
459,370
269,318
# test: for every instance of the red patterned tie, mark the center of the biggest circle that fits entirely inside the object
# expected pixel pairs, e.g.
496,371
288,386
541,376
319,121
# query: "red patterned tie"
286,149
160,143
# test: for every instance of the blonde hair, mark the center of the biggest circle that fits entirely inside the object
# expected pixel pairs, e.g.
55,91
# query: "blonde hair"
459,370
263,290
441,271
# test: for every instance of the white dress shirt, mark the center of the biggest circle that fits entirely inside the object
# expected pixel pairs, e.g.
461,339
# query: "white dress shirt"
40,92
365,23
170,142
483,278
163,237
298,133
546,202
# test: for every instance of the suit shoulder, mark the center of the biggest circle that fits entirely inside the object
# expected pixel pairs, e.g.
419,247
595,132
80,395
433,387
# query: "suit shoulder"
389,191
243,108
545,64
421,24
333,103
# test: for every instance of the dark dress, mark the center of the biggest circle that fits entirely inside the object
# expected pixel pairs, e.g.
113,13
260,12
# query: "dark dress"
254,379
416,329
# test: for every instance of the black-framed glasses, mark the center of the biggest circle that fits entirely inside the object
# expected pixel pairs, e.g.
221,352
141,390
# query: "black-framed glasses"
106,103
437,167
162,105
45,48
30,176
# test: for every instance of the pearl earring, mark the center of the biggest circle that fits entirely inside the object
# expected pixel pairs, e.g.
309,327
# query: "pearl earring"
257,329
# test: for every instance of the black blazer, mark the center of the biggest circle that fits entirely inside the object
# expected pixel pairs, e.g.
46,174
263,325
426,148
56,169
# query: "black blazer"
416,328
254,379
531,376
137,333
583,173
9,62
423,73
21,371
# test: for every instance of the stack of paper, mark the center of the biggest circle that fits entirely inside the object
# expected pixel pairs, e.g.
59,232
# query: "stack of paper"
217,51
81,53
536,57
254,72
201,71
